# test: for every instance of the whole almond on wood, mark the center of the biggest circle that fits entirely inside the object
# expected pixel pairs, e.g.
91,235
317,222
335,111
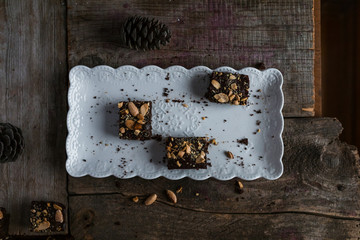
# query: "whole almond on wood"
151,199
171,196
133,109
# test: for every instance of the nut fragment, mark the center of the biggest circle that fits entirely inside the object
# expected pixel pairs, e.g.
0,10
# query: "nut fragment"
213,141
42,226
1,215
122,130
179,190
138,126
188,149
135,199
230,155
151,199
144,109
221,97
233,86
200,159
120,104
133,109
230,93
185,105
140,116
181,154
215,83
232,77
59,216
178,163
172,196
231,97
236,102
137,132
129,124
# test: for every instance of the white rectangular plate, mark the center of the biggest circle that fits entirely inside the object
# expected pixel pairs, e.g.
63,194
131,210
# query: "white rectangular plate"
94,148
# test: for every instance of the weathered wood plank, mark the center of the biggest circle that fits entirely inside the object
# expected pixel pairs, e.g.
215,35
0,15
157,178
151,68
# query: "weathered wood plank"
212,33
33,86
321,176
117,217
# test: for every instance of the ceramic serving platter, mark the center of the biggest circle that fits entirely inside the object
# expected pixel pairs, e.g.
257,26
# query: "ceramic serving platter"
94,148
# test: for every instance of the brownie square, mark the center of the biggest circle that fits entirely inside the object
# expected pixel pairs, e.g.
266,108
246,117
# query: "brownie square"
4,223
228,88
135,120
186,153
47,216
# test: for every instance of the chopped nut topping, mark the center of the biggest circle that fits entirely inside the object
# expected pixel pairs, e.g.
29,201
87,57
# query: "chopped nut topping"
137,132
120,104
133,109
144,109
138,126
181,154
232,77
244,99
200,159
168,155
213,141
233,86
221,97
122,130
215,83
130,124
230,155
178,163
140,116
188,149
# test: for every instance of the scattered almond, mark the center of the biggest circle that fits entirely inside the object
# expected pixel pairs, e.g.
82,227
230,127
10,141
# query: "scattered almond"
120,104
181,154
144,109
172,196
59,216
200,159
135,199
168,155
133,109
179,190
215,83
213,141
151,199
202,153
42,226
129,124
185,105
232,77
122,130
230,155
233,86
221,97
137,132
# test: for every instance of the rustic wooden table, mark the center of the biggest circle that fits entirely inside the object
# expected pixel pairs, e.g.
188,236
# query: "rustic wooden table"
316,198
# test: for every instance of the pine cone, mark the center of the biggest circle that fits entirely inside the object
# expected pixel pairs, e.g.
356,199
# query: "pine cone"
11,142
144,33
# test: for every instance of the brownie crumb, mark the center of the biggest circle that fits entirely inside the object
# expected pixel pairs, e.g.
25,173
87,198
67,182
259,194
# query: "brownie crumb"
244,141
258,122
167,77
260,66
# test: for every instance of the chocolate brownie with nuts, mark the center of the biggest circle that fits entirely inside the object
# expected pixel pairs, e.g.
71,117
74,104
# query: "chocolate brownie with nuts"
135,120
47,217
228,88
186,153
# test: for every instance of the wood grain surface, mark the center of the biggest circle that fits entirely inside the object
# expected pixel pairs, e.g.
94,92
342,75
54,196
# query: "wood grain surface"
208,32
33,88
318,191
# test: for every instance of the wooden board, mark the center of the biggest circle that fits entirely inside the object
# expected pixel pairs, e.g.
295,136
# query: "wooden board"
117,217
33,88
320,187
211,33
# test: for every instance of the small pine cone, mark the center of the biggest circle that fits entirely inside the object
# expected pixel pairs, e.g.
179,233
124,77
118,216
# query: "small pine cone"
11,142
144,33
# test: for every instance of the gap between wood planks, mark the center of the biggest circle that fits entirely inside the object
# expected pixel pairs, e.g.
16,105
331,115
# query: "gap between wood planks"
125,196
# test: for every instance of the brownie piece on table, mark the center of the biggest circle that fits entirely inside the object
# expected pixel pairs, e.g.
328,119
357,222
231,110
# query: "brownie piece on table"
186,153
228,88
47,217
4,223
135,120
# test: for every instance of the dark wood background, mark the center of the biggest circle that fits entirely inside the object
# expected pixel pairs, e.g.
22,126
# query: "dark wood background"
316,198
